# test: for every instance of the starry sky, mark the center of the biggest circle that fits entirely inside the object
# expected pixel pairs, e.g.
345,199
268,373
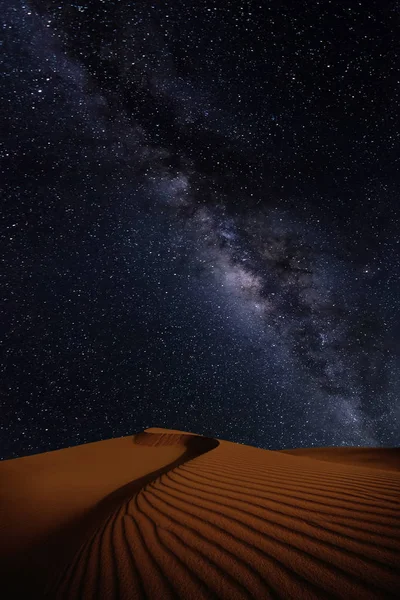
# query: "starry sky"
201,223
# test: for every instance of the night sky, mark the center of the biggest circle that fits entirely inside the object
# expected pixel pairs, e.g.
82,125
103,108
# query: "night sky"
201,222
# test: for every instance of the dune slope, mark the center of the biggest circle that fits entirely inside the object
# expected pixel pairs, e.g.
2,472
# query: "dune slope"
51,503
376,458
239,522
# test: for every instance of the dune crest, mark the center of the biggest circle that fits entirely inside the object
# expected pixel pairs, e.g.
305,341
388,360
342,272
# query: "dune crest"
158,437
240,522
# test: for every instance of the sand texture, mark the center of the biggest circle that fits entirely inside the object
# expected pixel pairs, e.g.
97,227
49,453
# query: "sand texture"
165,514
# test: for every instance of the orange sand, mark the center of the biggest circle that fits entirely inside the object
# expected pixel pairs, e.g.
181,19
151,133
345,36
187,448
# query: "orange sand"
165,514
376,458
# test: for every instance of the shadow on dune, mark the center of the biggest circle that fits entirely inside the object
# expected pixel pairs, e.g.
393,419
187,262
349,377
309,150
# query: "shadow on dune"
34,579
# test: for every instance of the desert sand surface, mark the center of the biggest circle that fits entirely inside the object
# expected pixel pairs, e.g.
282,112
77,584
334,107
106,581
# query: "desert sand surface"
375,458
167,514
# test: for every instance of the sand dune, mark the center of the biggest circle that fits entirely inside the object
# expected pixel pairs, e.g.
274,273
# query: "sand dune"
376,458
166,514
50,503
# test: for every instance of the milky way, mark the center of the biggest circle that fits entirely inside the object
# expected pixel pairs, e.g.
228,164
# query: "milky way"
192,240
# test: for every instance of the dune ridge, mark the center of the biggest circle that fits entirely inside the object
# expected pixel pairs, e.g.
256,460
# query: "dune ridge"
155,437
240,522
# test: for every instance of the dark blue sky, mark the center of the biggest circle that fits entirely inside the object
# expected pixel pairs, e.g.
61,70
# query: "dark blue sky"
201,223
